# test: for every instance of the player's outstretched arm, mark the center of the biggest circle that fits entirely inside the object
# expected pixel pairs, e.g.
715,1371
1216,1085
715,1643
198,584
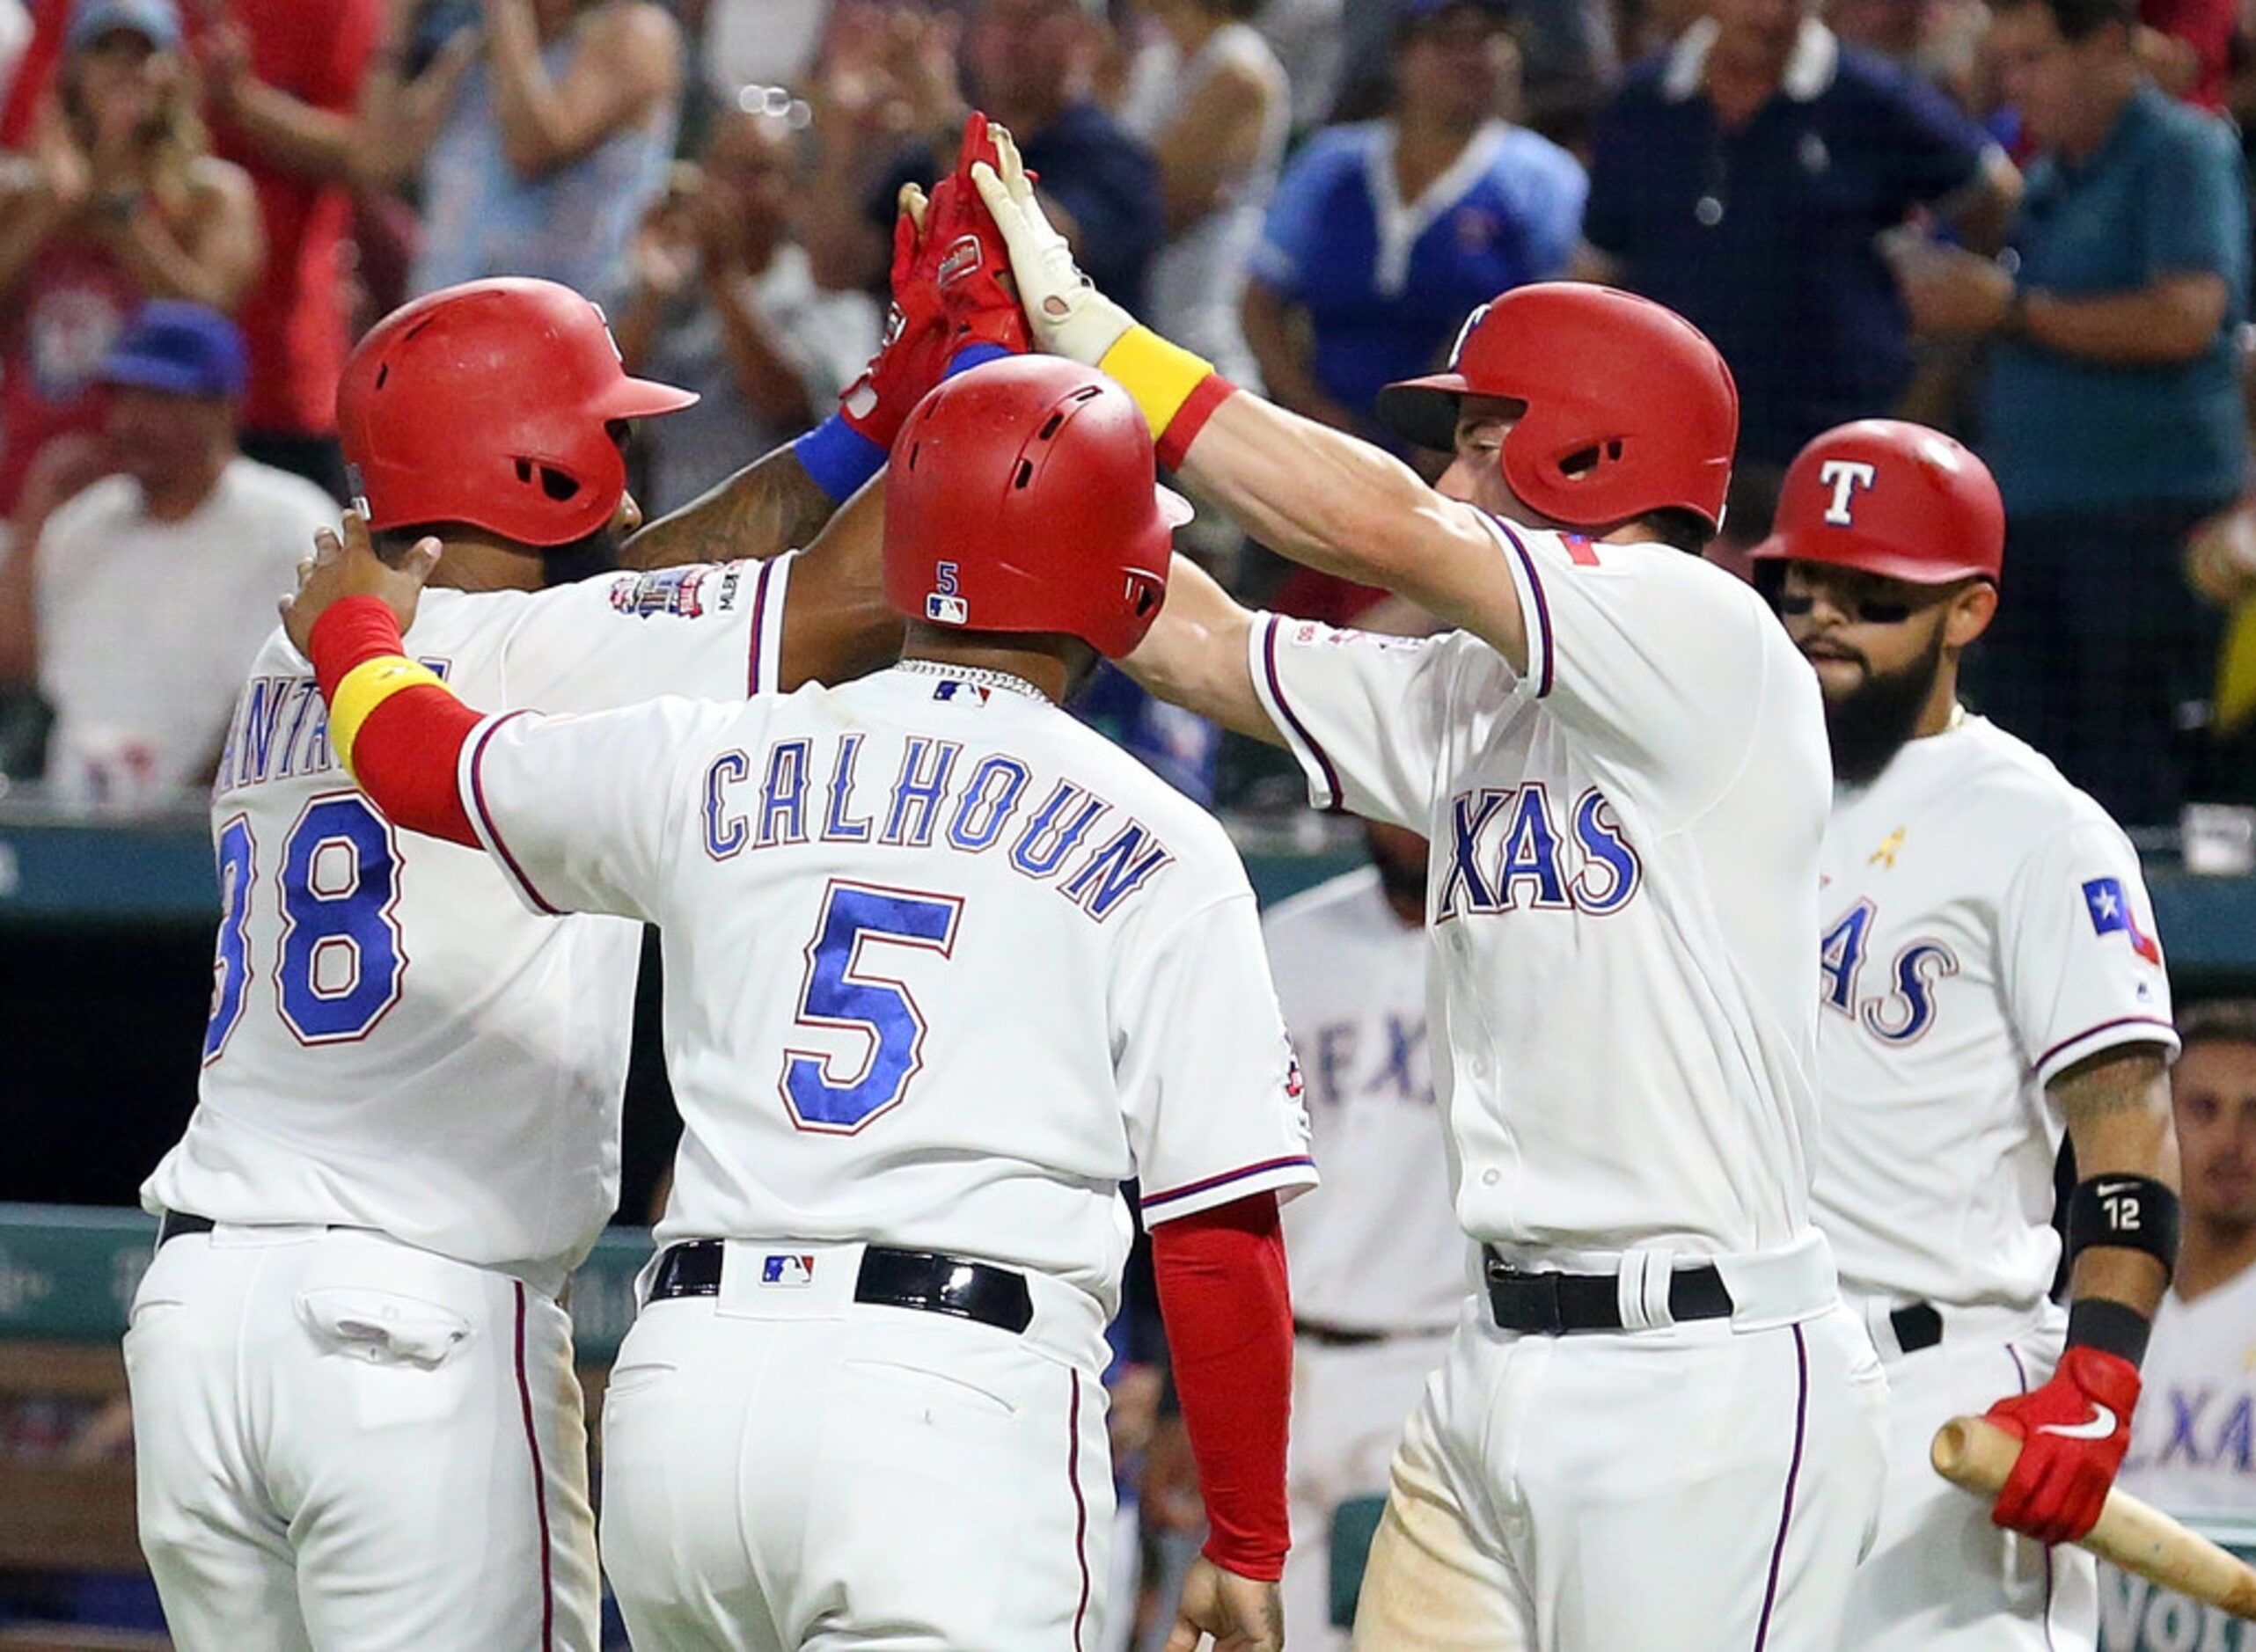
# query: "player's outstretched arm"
2122,1235
1195,655
764,510
1315,494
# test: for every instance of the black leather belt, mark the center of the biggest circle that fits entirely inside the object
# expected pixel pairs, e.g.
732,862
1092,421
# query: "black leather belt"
1553,1305
173,1224
1916,1324
924,1281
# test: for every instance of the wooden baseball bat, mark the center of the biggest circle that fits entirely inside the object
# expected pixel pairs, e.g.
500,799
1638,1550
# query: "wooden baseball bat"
2136,1536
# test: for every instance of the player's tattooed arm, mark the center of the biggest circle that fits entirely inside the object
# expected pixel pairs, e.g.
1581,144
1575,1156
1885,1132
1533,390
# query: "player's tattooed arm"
836,623
2074,1428
1195,656
2117,1105
764,510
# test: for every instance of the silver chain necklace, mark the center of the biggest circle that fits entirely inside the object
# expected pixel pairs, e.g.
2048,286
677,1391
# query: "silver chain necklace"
975,674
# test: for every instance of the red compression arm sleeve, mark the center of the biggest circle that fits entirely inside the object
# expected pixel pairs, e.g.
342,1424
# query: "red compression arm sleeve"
406,755
1229,1327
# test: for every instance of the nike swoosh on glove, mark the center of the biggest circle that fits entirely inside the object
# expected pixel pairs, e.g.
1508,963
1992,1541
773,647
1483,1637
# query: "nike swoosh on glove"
2074,1431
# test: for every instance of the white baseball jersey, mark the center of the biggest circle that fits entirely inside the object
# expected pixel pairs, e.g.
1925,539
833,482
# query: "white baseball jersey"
1985,927
2193,1438
1381,1250
943,967
1624,883
394,1042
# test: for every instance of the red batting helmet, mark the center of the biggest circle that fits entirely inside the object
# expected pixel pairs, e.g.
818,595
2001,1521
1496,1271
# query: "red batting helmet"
1629,408
486,404
1022,497
1893,499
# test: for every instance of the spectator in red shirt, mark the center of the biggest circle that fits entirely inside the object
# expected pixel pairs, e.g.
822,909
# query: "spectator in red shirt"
118,203
283,78
2187,47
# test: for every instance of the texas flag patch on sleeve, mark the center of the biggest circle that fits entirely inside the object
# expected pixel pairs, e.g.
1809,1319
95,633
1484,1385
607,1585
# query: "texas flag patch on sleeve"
2110,914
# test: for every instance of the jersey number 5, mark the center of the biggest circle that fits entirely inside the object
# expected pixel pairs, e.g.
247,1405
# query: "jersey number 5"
841,991
339,964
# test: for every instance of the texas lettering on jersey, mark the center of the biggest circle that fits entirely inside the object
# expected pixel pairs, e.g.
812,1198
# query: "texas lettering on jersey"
1396,1070
1509,847
1902,1011
811,789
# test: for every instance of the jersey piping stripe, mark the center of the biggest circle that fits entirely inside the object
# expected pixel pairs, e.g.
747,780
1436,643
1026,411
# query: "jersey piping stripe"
2045,1060
1542,606
1299,729
540,1487
1793,1473
2021,1372
1081,1504
752,683
1299,1161
486,827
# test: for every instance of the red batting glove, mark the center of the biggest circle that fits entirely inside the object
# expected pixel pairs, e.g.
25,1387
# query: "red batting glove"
916,348
973,259
2073,1431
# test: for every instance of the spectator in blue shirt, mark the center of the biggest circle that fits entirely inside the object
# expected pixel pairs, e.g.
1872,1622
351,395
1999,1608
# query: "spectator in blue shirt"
1741,178
2111,411
1386,235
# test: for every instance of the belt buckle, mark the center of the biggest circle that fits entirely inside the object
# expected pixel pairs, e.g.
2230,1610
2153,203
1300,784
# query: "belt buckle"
1538,1292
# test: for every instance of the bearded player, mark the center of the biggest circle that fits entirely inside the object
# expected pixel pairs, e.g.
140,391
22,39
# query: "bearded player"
1656,1425
944,969
1989,975
356,1419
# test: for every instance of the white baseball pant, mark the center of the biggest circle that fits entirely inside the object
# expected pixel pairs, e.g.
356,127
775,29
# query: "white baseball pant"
785,1467
344,1442
1694,1487
1941,1577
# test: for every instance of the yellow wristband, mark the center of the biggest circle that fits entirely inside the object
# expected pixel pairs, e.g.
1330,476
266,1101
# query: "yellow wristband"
1159,375
367,686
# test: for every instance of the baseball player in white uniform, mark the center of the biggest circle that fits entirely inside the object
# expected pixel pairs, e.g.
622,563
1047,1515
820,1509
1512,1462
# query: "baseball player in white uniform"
1658,1426
1380,1268
944,967
1988,974
357,1424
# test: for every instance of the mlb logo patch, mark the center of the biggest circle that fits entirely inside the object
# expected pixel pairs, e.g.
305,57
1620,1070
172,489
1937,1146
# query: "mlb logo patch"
788,1272
2110,914
961,692
946,610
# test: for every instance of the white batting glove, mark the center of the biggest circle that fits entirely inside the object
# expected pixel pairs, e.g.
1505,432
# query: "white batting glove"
1069,316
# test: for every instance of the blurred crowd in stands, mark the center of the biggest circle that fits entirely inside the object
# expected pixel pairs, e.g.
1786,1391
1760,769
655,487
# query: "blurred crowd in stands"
2025,220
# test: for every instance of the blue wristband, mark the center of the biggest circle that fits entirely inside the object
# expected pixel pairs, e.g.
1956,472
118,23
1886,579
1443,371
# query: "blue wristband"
976,354
838,457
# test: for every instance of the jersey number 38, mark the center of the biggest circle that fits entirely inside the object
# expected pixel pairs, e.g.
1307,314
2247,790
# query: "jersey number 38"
337,968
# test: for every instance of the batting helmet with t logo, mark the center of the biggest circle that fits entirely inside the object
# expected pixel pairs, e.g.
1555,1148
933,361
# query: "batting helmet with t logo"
1893,499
